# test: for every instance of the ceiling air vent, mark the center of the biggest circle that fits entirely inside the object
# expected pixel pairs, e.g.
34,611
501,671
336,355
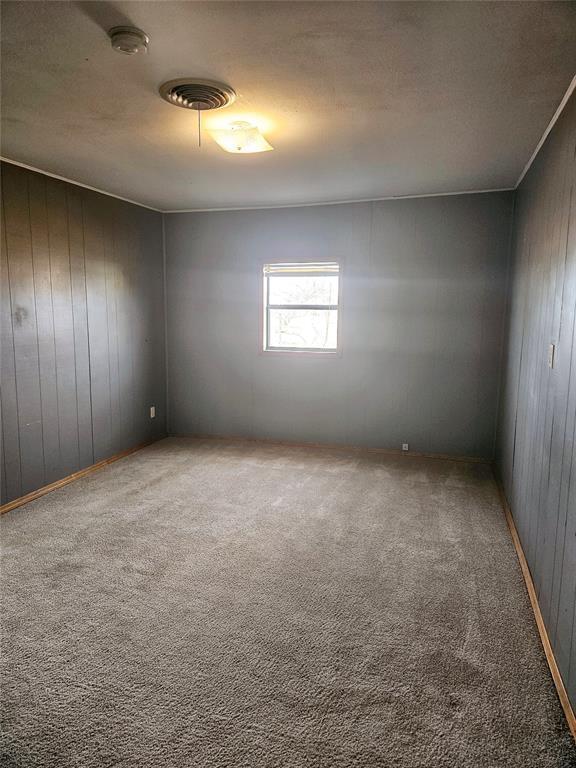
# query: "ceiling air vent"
197,94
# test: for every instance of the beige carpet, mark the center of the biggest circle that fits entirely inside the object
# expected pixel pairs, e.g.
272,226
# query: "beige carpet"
204,604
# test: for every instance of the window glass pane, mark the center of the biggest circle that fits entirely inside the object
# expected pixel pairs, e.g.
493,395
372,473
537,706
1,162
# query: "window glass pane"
306,289
303,328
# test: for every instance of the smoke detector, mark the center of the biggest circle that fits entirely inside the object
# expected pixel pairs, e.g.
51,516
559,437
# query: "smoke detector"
200,95
129,40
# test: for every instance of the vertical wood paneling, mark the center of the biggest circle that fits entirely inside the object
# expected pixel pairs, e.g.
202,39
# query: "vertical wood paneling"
422,315
124,312
554,389
45,322
3,490
12,480
139,331
25,334
563,598
98,329
567,606
79,284
112,288
80,320
63,325
562,455
538,404
151,308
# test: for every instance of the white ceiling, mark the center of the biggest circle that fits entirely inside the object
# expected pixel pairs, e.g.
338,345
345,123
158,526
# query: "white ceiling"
361,99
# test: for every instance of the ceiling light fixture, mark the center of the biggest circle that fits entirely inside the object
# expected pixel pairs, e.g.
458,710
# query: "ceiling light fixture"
241,137
128,40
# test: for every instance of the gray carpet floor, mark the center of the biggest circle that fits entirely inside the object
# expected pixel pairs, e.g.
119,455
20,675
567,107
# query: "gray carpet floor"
237,605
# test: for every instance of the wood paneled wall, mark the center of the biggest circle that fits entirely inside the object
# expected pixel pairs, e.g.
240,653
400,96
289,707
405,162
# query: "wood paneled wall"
536,444
82,328
423,304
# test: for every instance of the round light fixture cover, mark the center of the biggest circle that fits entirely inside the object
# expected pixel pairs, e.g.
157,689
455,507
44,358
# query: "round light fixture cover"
201,95
128,40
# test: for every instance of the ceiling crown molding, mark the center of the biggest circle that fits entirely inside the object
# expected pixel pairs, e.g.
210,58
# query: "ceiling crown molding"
551,124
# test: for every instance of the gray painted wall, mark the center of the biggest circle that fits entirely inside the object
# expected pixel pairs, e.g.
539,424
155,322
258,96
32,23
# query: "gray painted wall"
422,316
82,329
536,453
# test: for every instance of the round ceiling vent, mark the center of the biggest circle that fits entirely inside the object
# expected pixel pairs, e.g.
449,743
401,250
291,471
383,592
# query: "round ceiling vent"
197,94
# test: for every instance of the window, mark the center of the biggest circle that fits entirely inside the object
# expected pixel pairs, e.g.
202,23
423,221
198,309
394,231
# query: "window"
301,307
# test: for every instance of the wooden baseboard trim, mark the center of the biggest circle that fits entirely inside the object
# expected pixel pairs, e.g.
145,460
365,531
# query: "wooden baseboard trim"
550,658
336,447
70,478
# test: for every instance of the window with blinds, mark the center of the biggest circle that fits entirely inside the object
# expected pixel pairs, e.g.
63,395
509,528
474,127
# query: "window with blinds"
301,306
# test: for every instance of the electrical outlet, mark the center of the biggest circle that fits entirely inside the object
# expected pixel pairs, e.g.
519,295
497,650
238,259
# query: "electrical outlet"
152,411
405,447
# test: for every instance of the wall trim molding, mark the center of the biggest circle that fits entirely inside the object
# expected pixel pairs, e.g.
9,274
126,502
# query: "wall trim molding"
76,183
21,500
344,202
333,447
543,632
551,124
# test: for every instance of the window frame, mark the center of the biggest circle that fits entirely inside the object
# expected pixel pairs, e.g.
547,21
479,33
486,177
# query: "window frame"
314,352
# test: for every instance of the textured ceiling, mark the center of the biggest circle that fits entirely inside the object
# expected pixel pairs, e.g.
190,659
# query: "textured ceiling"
361,100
